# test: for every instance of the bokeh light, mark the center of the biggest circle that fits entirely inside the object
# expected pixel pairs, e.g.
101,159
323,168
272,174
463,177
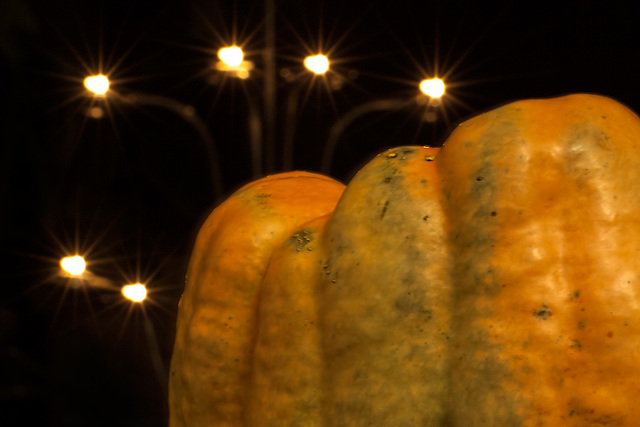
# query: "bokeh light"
97,84
231,56
73,265
136,292
434,88
319,64
232,62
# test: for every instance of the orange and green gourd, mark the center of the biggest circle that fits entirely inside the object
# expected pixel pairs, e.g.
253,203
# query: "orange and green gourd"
492,282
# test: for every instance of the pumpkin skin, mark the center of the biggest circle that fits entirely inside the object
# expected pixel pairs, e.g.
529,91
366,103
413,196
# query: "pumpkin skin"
213,350
490,282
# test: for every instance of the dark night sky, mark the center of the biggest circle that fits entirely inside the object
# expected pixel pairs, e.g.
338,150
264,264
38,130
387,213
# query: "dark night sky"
130,190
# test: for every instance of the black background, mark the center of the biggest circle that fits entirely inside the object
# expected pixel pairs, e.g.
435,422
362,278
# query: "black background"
130,190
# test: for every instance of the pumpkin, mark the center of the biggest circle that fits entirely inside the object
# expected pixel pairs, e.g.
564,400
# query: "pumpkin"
494,281
217,319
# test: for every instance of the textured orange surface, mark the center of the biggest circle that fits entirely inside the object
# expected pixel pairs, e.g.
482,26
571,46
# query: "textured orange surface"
491,282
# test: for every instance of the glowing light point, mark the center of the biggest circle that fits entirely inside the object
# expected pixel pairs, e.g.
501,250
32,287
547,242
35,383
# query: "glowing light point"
231,56
73,265
98,84
319,64
95,112
432,87
136,292
232,62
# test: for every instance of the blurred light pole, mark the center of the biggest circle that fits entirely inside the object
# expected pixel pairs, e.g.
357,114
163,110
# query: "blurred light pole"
262,122
319,65
262,128
269,100
433,89
231,62
98,86
74,269
136,294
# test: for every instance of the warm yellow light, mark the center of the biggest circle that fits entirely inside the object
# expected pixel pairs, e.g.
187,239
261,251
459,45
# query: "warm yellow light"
98,84
136,292
73,265
319,64
95,112
432,87
231,56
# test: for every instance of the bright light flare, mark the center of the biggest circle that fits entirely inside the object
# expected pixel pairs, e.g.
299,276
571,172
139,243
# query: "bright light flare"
232,62
98,84
432,87
319,64
136,292
73,265
231,56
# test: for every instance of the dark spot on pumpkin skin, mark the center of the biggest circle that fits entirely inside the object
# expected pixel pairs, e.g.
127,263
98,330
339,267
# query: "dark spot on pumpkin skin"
590,416
543,312
387,180
408,304
384,209
581,324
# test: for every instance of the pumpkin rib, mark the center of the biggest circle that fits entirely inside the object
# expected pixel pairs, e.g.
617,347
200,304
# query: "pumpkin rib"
212,359
384,307
537,302
288,368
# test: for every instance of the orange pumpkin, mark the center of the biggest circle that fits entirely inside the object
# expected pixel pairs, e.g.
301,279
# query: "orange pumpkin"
494,281
217,319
